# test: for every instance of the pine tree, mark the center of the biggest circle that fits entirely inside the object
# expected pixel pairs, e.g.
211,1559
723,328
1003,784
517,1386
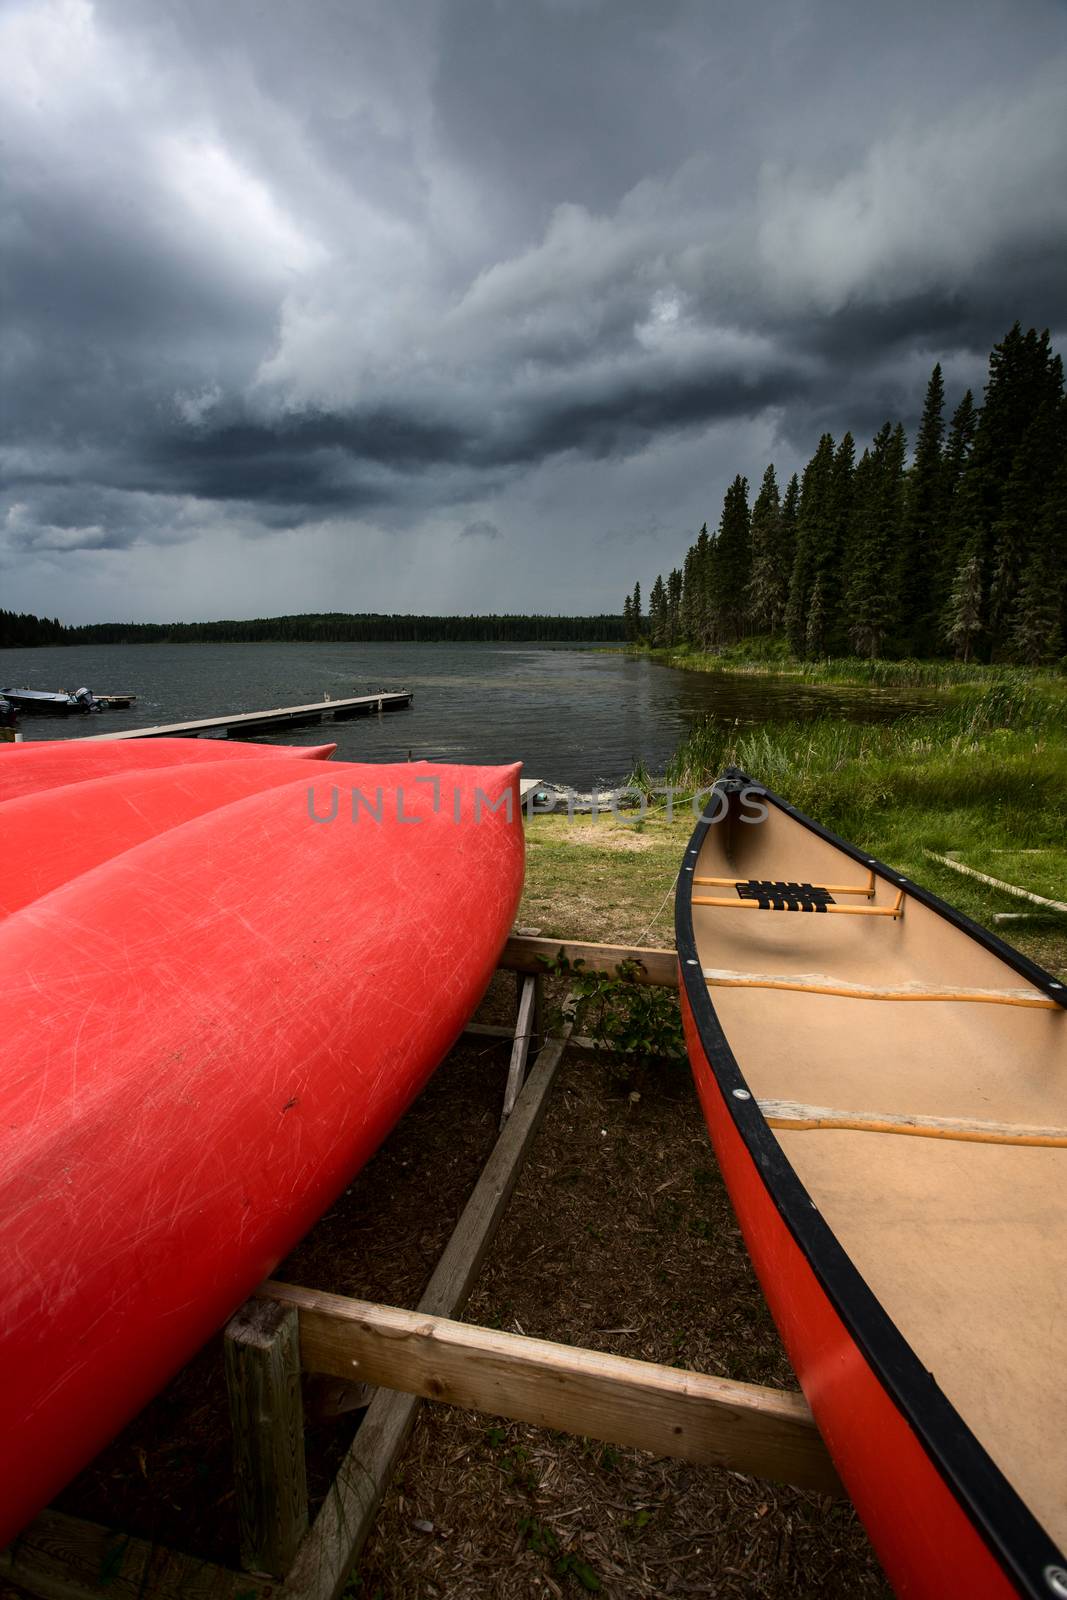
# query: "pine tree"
657,614
1039,619
957,518
963,616
731,562
815,627
768,583
872,599
812,518
1015,530
923,518
635,611
674,606
787,534
628,619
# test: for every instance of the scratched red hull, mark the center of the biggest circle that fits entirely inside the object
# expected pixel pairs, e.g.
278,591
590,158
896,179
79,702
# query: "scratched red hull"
48,763
204,1038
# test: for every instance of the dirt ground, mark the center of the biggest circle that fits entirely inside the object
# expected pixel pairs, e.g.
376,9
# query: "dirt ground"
619,1237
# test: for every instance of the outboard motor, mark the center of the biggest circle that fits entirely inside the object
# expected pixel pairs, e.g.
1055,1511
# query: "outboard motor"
86,700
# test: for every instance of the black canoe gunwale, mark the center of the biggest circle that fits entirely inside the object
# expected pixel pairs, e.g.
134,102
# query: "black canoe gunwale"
1000,1516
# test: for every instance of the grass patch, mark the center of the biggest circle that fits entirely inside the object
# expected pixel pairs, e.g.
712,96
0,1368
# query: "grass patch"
985,776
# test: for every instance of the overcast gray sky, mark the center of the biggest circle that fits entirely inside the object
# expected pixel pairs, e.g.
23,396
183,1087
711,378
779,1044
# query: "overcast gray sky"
434,305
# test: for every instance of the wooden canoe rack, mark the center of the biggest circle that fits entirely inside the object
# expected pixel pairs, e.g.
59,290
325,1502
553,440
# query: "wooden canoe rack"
285,1333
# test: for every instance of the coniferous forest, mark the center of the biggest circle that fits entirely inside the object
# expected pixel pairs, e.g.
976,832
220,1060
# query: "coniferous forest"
960,552
332,628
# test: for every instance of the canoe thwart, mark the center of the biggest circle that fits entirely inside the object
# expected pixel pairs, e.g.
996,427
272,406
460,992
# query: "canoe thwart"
866,889
821,983
764,895
789,1114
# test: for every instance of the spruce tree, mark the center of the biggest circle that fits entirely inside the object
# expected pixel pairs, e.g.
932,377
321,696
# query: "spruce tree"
924,514
812,518
956,526
657,614
963,615
787,535
674,606
635,607
768,583
872,597
731,563
628,619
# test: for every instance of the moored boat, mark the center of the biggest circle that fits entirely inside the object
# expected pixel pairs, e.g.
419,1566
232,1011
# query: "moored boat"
205,1036
885,1084
49,703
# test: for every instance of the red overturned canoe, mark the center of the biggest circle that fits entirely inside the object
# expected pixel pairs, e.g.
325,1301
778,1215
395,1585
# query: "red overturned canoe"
205,1036
885,1084
47,763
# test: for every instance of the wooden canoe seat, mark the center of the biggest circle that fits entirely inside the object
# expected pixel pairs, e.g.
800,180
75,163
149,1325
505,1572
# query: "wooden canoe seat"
790,1114
820,983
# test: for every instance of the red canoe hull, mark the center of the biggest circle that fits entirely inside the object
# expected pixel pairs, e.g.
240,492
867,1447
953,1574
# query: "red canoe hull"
205,1037
927,1544
54,836
47,763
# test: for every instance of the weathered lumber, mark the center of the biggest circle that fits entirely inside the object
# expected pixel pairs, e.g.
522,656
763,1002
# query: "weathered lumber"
998,883
742,1426
261,1345
658,967
820,983
520,1049
326,1557
792,1115
63,1558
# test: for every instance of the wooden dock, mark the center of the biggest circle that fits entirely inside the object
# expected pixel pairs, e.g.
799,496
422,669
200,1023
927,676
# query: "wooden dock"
360,705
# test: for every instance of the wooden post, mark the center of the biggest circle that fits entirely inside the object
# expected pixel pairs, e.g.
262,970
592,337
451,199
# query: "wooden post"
262,1350
339,1532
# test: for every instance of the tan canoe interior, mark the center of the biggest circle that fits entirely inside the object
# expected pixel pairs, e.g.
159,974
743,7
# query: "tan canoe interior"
963,1241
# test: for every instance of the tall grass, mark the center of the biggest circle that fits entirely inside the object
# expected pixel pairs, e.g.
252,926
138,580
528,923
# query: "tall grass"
999,750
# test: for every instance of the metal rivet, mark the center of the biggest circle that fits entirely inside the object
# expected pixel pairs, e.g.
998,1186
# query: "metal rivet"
691,962
1056,1578
742,1094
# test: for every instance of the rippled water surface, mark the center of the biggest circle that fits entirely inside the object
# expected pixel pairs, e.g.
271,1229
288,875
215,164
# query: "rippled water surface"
571,716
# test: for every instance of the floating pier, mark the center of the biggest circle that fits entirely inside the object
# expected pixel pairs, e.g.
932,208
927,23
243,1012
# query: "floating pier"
360,705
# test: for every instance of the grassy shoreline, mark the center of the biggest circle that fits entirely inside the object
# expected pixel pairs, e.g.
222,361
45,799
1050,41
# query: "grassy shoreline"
983,775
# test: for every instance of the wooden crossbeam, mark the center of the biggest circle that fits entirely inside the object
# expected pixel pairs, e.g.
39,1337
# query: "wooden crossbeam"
866,889
658,967
819,983
745,1427
791,1115
895,910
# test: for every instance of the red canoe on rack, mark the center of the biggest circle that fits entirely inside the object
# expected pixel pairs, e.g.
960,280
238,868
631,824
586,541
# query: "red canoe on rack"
205,1036
885,1084
47,763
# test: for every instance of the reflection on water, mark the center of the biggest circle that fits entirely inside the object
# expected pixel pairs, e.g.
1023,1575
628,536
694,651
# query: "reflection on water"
571,716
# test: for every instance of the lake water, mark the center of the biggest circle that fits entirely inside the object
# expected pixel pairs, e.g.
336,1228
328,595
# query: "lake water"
572,716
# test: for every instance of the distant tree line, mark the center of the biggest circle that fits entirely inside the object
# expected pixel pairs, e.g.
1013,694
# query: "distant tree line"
332,627
963,552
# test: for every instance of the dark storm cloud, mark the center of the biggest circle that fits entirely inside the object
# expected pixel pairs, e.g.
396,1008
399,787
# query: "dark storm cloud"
307,265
